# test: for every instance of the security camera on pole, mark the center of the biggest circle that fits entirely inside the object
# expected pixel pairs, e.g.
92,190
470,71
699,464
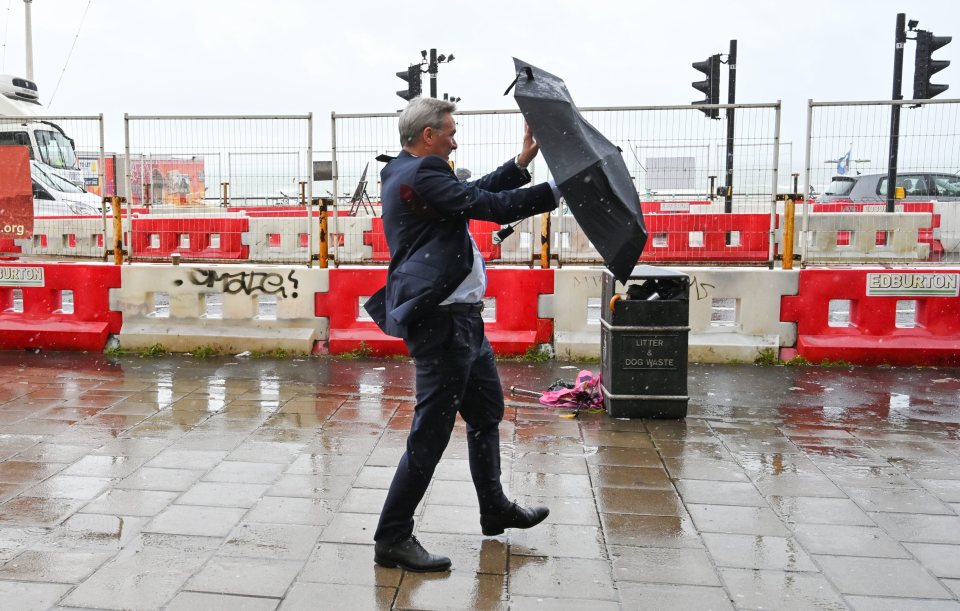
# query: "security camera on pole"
414,73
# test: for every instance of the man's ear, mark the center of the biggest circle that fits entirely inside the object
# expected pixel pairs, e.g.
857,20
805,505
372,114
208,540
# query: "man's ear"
427,134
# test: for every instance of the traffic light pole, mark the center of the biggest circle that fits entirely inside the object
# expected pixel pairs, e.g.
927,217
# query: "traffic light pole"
731,99
901,38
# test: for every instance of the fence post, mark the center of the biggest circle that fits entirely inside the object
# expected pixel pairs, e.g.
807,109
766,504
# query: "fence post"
335,171
545,240
115,202
322,257
101,180
806,192
776,177
788,216
309,193
128,193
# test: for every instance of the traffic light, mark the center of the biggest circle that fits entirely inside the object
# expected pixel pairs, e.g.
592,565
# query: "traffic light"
925,66
710,87
412,76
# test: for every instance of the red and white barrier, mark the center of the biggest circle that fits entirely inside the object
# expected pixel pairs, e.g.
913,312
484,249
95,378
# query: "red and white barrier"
872,315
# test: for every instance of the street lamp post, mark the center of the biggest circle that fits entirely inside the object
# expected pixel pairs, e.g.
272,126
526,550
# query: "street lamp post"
28,37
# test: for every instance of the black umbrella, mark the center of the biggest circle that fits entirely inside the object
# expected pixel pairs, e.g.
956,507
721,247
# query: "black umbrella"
589,169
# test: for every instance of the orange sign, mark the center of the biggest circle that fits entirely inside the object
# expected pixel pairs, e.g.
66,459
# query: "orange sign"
16,193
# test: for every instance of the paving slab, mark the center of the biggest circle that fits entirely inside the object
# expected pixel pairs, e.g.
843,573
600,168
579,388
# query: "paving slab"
256,484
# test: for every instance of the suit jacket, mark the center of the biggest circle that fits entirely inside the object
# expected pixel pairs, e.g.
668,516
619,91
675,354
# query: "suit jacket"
425,215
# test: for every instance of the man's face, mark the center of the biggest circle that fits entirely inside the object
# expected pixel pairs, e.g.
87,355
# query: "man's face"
441,141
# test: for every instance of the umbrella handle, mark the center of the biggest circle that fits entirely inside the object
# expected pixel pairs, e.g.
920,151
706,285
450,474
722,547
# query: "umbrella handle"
503,234
523,391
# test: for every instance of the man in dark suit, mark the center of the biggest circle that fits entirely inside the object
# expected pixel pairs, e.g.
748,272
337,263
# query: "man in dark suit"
432,299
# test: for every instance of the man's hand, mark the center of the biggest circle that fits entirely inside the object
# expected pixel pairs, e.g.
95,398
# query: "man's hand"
530,148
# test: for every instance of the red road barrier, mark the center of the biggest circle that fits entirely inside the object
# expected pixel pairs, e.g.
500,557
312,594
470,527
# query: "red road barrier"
206,238
515,330
924,235
517,327
482,232
872,336
43,323
8,249
341,306
703,237
377,240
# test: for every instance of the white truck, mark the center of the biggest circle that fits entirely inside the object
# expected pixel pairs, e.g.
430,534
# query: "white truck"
20,124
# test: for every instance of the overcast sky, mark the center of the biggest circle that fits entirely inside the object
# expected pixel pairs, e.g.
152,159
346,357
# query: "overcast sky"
295,56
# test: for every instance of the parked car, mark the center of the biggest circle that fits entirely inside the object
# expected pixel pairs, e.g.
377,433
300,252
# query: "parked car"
54,195
918,186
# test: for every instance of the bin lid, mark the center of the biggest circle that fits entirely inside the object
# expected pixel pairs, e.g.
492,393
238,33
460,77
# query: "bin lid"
641,272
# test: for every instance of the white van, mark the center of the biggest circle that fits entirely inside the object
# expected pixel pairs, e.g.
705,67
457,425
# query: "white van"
47,143
56,196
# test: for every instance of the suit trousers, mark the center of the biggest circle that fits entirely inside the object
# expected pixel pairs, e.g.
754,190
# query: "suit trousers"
456,373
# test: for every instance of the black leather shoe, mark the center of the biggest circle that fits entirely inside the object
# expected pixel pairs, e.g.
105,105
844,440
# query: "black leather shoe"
410,555
514,516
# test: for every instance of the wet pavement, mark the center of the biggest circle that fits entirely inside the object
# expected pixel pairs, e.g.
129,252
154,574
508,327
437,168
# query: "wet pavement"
179,483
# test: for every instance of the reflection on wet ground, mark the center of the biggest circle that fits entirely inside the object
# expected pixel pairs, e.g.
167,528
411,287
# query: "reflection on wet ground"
246,483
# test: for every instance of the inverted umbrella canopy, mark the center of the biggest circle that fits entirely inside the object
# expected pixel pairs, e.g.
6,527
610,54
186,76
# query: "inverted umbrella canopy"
589,170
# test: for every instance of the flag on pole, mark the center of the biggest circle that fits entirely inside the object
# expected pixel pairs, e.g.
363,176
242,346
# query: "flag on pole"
843,164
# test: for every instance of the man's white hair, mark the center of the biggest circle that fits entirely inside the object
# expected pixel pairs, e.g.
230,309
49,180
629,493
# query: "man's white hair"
420,114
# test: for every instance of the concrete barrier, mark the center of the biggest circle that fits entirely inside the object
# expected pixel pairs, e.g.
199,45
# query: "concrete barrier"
281,240
68,237
852,236
230,308
734,312
576,312
347,243
523,245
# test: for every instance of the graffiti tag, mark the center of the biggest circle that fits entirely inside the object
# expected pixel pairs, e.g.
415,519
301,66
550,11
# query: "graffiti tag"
271,283
701,288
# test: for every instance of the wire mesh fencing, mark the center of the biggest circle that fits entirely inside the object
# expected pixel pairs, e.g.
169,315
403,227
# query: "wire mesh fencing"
847,216
66,176
219,188
676,156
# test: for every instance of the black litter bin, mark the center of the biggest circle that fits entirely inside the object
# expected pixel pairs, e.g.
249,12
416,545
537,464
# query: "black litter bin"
643,344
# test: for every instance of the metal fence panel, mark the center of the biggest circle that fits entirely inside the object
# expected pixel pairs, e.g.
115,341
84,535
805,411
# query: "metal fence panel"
848,153
66,168
676,156
195,184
